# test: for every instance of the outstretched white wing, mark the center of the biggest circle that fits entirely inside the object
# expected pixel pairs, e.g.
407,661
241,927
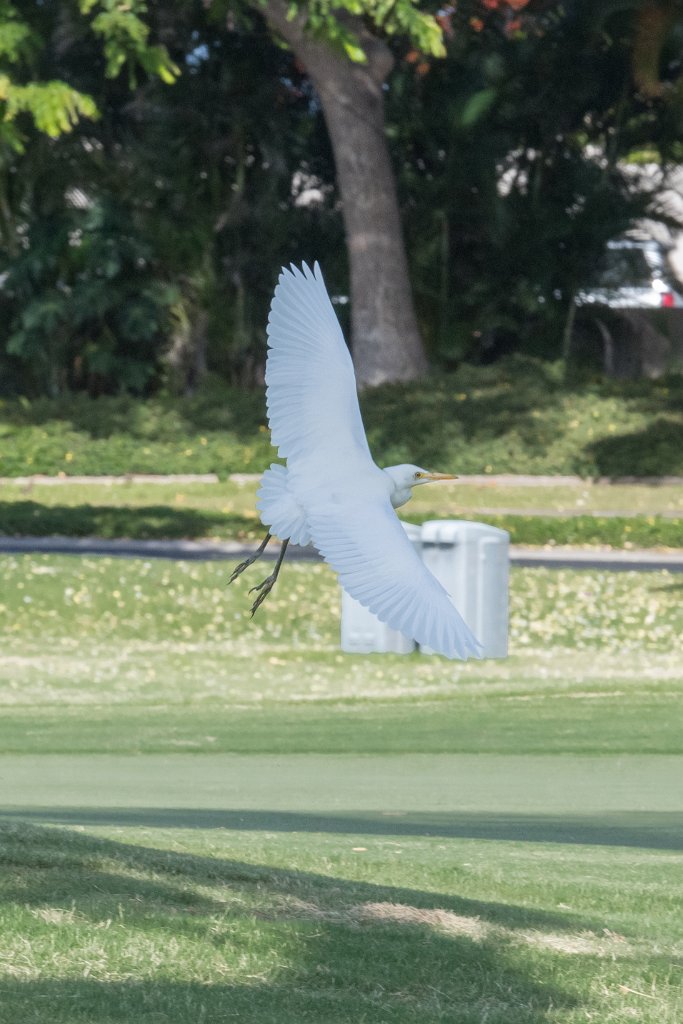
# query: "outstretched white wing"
377,564
316,425
311,387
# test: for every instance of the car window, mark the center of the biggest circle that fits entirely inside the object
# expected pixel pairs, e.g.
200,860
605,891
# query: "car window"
624,268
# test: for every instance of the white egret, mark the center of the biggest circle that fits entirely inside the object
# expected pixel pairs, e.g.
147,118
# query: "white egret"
331,492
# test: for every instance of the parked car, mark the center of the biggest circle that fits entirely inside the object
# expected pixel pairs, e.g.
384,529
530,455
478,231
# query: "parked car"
626,320
632,275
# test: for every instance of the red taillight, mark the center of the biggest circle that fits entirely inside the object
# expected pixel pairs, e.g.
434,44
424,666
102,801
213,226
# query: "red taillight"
668,299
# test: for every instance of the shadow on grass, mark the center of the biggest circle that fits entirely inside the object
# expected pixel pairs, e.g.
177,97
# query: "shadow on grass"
305,998
654,451
340,958
71,857
667,588
149,522
660,830
165,522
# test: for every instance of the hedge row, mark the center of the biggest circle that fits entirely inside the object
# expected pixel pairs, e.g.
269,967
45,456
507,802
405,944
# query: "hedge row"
518,416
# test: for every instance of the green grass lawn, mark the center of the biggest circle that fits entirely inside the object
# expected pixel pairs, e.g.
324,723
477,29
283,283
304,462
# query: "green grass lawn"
237,496
208,818
211,925
134,655
219,926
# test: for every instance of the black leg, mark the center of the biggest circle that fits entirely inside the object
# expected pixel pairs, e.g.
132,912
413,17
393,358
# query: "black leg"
268,583
239,569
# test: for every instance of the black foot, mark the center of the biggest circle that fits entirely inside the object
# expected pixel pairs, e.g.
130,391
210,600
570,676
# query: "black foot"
239,569
264,589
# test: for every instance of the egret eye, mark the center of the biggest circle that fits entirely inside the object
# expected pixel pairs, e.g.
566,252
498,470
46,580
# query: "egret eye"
418,475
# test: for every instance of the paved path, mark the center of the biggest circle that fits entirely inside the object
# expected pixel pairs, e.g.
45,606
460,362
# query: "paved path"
550,558
587,558
619,800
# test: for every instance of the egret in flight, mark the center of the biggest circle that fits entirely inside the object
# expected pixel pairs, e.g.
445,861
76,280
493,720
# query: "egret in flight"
331,492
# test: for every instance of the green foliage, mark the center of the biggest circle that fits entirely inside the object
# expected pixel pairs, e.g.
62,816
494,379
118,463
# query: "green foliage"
17,40
613,531
216,431
135,239
54,106
518,416
477,106
86,305
125,38
393,17
505,211
511,156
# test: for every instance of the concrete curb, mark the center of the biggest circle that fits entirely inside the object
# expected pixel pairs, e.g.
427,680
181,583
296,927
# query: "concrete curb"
642,560
477,480
42,480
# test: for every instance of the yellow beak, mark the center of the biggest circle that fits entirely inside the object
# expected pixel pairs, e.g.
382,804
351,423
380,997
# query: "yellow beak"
440,476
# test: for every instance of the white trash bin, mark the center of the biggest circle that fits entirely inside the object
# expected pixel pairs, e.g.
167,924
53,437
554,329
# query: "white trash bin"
472,560
362,632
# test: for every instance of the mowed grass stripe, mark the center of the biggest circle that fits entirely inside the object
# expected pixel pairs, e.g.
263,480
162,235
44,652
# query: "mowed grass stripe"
581,725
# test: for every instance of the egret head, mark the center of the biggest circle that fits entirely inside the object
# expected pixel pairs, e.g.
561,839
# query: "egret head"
405,477
411,476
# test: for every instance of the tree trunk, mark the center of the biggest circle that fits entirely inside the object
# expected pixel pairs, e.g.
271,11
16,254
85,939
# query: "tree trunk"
186,357
385,340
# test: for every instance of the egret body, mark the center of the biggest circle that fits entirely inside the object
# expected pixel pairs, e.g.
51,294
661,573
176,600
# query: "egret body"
331,493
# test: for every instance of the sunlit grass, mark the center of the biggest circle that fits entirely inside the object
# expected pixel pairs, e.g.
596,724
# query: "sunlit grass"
102,597
445,499
132,654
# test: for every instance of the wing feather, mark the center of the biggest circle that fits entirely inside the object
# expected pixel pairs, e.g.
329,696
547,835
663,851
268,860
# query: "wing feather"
316,425
377,564
311,386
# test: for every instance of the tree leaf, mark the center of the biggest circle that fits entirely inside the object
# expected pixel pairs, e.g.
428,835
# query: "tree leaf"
477,105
